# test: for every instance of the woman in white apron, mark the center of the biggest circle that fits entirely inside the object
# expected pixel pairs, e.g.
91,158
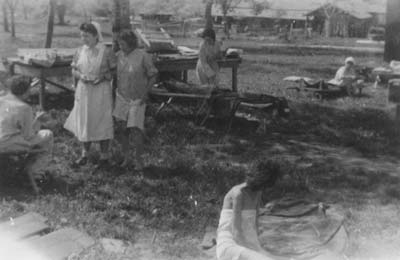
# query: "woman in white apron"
91,117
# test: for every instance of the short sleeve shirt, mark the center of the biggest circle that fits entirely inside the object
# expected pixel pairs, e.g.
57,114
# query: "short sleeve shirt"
134,72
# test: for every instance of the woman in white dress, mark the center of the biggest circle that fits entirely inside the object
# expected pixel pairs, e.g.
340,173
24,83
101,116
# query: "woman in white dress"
237,236
91,117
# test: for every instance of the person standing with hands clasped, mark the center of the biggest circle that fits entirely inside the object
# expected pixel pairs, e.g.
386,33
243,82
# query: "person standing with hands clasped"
91,117
136,74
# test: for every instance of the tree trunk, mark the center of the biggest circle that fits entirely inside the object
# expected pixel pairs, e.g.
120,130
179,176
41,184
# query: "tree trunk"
50,24
25,11
12,11
5,19
208,15
328,27
226,26
61,10
392,35
121,19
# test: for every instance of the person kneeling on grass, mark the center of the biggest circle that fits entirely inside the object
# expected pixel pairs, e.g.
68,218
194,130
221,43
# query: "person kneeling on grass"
19,128
136,74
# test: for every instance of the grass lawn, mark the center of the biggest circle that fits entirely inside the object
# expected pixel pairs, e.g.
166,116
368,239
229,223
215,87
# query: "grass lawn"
349,146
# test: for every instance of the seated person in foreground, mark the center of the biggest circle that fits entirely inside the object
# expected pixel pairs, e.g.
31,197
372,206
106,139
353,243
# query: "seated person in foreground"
19,129
237,236
346,76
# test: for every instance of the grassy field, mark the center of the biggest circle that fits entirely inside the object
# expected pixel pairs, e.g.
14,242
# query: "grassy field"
342,151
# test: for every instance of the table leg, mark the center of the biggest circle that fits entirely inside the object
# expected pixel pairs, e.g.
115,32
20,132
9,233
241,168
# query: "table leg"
234,78
185,76
42,93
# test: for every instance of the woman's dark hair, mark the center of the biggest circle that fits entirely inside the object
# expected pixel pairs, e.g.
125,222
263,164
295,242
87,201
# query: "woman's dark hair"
89,28
264,175
208,33
129,37
18,85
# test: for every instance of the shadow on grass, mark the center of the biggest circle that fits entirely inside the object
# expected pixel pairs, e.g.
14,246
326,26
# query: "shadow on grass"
370,131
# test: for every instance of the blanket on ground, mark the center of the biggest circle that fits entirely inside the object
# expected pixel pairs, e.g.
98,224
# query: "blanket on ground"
300,229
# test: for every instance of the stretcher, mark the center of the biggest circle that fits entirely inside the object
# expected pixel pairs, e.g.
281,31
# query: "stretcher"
223,103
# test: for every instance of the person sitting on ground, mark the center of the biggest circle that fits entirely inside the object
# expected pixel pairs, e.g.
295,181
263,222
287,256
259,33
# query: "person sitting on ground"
346,76
237,236
19,129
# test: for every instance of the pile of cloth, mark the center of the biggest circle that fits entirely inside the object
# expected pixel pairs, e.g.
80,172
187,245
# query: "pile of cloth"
299,229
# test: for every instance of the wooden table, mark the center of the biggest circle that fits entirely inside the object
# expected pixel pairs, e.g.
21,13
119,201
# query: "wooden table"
42,73
186,64
166,65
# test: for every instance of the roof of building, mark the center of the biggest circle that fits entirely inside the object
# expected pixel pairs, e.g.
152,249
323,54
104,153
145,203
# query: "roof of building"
298,9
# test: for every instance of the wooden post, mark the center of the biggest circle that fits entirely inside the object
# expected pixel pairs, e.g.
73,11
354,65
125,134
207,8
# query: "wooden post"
50,24
185,76
234,77
42,93
392,40
398,113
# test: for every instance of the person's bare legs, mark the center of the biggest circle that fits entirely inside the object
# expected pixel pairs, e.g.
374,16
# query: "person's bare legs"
82,160
126,148
104,152
137,138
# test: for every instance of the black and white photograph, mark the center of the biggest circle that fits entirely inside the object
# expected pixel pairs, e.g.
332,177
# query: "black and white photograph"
200,130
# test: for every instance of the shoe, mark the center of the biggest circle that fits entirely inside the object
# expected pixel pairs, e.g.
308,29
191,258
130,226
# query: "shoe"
81,161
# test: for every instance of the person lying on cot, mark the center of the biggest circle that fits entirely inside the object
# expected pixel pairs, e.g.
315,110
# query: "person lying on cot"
19,128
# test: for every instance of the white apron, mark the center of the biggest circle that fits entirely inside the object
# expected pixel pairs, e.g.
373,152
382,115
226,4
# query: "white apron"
91,118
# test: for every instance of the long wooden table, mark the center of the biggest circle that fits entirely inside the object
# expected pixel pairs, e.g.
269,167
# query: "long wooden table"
42,73
165,65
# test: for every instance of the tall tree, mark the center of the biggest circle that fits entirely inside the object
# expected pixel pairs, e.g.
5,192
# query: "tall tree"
5,16
120,19
61,11
50,23
25,9
329,11
12,6
208,14
392,38
227,6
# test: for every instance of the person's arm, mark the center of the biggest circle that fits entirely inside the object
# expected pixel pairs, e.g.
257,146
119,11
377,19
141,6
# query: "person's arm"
27,123
237,205
76,75
218,50
151,73
108,67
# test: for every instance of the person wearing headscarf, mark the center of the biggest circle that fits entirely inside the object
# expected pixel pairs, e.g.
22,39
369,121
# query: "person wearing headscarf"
346,76
91,117
207,66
